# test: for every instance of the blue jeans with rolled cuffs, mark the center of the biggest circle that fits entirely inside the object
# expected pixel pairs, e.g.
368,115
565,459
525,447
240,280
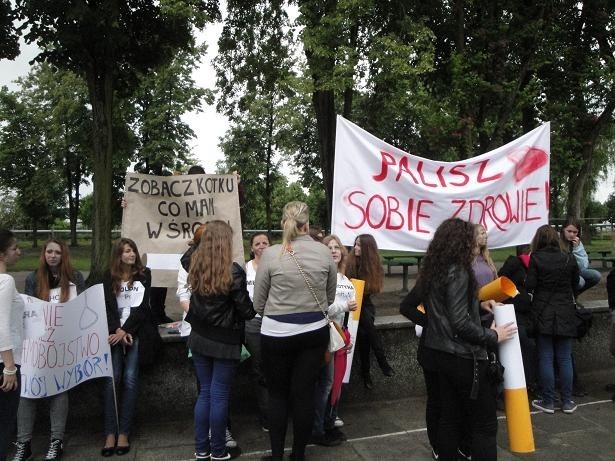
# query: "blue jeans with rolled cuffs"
560,348
126,374
211,410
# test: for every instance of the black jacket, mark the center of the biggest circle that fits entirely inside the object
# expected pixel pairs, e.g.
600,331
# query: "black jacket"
221,317
138,315
515,270
552,277
454,322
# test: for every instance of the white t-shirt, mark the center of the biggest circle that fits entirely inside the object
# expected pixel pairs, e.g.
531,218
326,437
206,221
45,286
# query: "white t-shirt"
11,318
129,297
344,292
55,293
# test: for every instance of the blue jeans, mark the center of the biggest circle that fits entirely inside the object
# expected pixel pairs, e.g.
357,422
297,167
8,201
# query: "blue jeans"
561,348
587,279
321,397
126,376
211,410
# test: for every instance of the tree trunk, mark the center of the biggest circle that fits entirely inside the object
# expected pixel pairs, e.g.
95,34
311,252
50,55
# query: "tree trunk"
324,106
101,97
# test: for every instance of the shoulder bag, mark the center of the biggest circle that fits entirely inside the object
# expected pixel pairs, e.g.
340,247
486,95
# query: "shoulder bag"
336,336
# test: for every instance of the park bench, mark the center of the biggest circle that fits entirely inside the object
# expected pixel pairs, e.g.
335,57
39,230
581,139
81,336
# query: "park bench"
404,262
606,256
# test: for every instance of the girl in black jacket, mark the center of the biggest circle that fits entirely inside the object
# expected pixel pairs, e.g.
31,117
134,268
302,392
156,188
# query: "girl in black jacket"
126,286
219,305
552,277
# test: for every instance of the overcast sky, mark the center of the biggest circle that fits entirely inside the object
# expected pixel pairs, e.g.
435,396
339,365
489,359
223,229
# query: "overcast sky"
208,125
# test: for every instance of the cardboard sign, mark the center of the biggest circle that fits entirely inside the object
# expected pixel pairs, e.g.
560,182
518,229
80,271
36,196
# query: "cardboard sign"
162,213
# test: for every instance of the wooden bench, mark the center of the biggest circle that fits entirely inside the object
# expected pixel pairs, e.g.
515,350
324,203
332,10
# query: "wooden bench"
404,262
606,256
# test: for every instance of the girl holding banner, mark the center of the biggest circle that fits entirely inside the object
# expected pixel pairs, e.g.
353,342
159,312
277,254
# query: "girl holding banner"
219,306
55,281
126,285
11,334
448,289
364,264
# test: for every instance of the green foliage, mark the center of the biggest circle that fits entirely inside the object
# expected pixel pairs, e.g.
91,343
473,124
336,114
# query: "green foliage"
164,95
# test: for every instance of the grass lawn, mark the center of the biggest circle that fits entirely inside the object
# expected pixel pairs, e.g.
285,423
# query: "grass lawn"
80,255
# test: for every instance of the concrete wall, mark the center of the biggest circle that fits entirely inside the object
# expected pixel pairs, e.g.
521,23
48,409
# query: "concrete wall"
168,390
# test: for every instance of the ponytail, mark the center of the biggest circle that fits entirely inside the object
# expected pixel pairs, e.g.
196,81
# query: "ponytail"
294,216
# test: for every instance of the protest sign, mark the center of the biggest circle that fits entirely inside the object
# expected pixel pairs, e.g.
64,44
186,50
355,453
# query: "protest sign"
72,348
163,212
401,198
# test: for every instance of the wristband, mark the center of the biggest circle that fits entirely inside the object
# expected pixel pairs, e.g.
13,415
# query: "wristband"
8,372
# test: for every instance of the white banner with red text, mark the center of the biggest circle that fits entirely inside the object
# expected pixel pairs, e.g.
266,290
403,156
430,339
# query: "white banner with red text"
401,198
65,343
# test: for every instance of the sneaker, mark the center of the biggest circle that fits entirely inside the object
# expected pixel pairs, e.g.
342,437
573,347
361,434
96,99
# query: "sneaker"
230,441
202,456
324,440
23,451
55,450
542,406
338,422
569,407
225,456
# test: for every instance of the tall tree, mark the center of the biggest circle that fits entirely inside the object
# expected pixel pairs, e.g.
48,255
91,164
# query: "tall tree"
164,95
27,165
110,43
253,70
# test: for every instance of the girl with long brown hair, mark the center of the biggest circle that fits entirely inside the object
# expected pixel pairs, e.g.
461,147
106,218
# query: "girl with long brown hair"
457,342
364,264
127,286
55,281
219,306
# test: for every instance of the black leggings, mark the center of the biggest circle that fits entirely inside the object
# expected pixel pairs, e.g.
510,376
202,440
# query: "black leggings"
291,365
459,410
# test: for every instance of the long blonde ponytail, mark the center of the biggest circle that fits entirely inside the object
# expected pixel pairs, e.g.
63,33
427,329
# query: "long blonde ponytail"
294,216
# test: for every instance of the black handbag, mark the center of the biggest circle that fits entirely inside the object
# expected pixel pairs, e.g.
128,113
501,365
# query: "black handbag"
150,343
584,319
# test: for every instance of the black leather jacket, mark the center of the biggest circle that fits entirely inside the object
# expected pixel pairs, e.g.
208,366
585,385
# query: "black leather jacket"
221,317
454,325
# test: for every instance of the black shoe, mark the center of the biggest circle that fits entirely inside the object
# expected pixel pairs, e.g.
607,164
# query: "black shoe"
55,450
107,451
23,451
121,451
324,440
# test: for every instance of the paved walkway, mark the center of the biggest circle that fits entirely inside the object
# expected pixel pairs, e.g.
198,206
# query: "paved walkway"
391,430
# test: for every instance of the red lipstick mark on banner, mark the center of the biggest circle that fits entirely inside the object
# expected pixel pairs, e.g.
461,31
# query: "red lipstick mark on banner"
528,161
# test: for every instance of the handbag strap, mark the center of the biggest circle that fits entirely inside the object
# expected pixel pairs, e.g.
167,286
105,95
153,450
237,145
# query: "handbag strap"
291,252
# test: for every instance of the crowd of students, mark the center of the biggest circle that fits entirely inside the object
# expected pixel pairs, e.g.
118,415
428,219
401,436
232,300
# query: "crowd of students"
277,309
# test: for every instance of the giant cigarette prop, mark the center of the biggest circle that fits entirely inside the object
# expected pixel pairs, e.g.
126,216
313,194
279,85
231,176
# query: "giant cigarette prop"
499,290
518,420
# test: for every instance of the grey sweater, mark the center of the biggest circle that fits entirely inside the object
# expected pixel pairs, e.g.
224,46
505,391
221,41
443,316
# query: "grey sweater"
280,288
